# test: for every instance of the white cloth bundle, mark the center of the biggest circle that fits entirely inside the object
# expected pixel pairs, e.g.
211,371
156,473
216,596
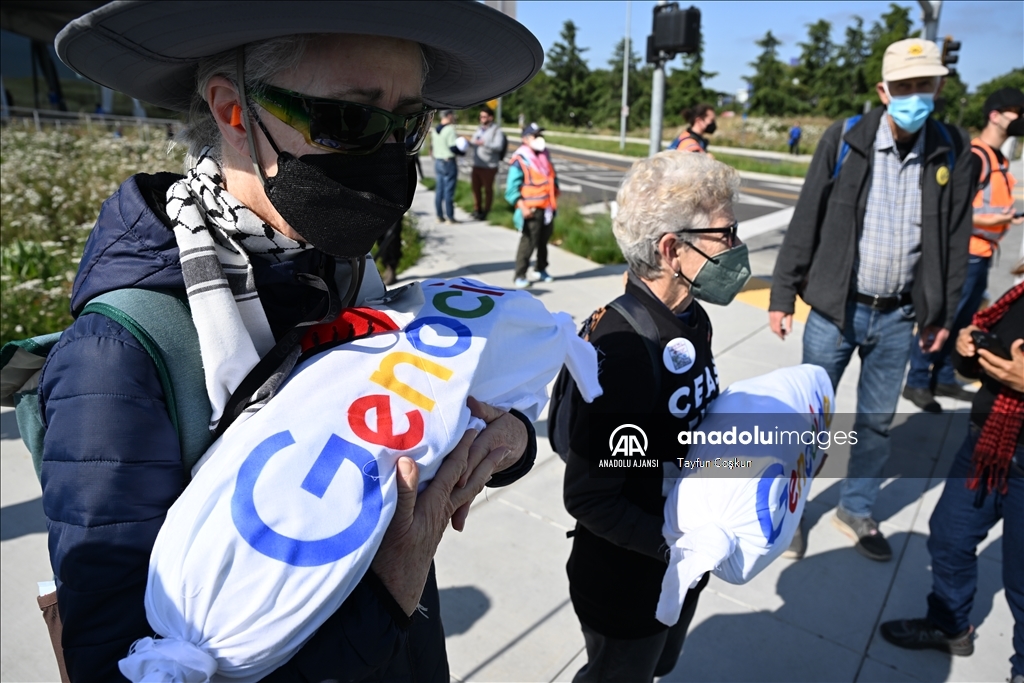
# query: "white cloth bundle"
288,508
737,505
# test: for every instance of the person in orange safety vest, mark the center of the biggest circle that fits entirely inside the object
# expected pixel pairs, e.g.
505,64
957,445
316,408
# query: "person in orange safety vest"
993,217
701,120
532,188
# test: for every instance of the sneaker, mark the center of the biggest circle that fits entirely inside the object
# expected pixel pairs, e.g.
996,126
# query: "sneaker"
451,220
544,277
870,541
798,546
918,634
521,283
922,398
954,391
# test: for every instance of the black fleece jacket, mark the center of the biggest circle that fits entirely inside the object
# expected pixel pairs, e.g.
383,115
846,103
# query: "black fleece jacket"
820,247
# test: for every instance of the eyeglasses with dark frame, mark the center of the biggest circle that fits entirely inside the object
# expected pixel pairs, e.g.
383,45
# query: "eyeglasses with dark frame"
729,231
340,126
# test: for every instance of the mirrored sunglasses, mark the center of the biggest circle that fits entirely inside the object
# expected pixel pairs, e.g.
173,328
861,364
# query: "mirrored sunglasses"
343,127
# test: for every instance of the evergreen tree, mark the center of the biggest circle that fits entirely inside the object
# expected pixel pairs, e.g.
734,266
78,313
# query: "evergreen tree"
534,101
894,25
852,82
772,91
570,85
684,87
818,74
606,86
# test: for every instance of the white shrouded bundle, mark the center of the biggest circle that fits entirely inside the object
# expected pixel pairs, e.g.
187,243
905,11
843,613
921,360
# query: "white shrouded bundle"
737,505
288,508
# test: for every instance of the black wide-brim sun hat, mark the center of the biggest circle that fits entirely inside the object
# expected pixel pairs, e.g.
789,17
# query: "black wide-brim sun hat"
150,49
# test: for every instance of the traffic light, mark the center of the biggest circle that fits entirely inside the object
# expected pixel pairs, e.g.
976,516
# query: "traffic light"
675,32
949,53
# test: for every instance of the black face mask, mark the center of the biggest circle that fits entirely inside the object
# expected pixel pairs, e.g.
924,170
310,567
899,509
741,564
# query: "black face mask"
341,204
712,127
1016,128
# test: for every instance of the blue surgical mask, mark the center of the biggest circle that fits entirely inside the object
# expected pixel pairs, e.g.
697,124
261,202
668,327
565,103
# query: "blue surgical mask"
911,111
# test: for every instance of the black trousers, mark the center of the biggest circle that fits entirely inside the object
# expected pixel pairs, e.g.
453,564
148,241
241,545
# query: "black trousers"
637,660
535,237
389,246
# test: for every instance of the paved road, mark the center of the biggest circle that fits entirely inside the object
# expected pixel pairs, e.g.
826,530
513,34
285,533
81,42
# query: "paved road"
765,204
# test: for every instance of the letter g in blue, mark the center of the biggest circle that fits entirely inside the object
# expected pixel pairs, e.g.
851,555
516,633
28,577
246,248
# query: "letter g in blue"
764,513
290,550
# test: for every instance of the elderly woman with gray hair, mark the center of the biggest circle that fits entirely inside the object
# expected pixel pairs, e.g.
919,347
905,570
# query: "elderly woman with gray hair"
676,228
304,122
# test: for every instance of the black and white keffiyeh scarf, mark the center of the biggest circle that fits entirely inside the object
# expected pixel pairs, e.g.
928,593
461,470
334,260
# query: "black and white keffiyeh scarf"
217,237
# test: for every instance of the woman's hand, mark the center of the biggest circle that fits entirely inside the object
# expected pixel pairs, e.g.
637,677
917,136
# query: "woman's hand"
965,343
1009,372
499,446
403,560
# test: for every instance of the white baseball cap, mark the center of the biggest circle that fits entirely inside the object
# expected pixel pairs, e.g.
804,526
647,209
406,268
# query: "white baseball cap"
912,58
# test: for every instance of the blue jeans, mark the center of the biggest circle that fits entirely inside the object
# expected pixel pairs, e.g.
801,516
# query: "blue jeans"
882,341
957,527
929,369
445,173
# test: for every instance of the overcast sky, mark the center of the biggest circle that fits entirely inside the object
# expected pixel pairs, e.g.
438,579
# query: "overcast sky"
992,32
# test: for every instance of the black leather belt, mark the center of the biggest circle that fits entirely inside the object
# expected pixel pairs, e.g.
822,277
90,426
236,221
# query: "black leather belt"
883,303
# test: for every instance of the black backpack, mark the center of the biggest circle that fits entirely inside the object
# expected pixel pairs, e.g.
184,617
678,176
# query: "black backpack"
560,413
504,145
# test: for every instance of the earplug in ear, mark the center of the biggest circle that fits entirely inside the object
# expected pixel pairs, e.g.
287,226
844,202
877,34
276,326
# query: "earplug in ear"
236,115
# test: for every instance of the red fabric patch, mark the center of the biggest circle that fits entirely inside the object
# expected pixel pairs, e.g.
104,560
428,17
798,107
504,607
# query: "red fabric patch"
351,323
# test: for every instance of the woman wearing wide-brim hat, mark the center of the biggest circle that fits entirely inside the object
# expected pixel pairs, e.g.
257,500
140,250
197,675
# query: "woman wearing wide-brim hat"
303,122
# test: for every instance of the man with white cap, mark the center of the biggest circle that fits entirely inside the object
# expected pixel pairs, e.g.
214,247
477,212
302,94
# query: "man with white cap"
304,121
878,241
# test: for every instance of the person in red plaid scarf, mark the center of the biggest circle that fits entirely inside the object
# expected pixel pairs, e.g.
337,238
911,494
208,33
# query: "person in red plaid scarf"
985,484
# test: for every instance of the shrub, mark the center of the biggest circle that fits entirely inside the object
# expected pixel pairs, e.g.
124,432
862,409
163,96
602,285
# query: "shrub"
52,184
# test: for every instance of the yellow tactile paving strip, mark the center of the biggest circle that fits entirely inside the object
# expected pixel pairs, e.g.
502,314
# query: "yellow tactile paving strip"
757,292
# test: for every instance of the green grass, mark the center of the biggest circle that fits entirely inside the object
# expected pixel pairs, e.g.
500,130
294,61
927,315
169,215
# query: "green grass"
633,149
412,245
587,236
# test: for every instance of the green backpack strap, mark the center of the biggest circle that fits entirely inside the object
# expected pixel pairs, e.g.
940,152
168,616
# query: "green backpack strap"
162,323
20,364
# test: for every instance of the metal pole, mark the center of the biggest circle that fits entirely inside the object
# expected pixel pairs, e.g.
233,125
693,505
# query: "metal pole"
625,80
657,105
930,18
657,100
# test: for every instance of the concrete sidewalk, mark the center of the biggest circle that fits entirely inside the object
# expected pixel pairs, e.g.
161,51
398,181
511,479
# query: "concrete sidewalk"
504,592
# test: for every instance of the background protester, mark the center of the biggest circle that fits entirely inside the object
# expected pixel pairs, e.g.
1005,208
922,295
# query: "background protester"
795,133
880,247
702,123
532,188
931,374
489,145
289,210
984,485
676,228
445,151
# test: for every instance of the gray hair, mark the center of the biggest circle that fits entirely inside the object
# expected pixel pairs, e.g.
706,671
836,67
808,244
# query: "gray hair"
263,60
666,193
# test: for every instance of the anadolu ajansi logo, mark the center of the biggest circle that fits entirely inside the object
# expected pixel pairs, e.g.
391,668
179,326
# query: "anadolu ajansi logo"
631,441
295,552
